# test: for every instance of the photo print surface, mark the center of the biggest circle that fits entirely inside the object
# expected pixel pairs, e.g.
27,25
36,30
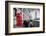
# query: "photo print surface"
26,17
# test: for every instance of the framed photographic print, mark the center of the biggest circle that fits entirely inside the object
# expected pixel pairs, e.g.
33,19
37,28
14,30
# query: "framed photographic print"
24,17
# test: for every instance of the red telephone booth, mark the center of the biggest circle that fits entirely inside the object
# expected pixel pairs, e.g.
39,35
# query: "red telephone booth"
19,20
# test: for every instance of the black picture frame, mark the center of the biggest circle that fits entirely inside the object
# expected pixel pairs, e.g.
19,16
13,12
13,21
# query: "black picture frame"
6,18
